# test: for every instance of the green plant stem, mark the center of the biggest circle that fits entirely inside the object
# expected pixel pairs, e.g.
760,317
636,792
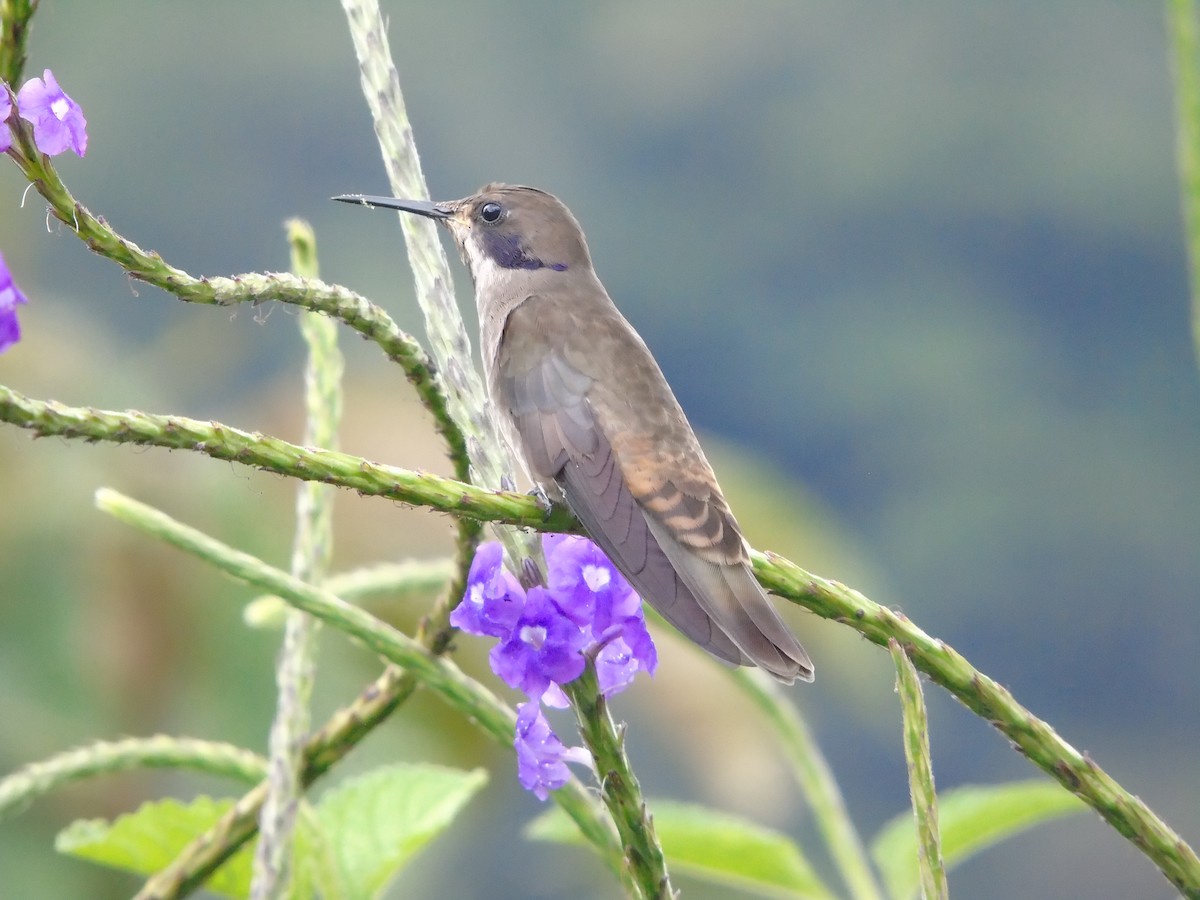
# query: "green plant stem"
415,577
399,582
828,599
46,418
920,776
421,664
15,16
1183,27
25,785
295,669
619,787
816,781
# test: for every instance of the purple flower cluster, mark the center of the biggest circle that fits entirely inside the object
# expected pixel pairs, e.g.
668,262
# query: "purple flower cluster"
58,124
547,634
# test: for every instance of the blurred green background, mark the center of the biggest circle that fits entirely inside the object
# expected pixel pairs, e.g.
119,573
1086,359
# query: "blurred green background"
916,271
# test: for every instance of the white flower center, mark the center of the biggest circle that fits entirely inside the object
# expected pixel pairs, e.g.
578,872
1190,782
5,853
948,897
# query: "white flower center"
534,635
475,595
596,577
59,106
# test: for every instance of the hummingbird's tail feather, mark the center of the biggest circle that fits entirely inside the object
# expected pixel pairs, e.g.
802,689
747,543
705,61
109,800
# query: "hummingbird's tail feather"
720,607
738,606
758,606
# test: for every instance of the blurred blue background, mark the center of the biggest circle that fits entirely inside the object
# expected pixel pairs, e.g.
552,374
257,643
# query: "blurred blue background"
916,273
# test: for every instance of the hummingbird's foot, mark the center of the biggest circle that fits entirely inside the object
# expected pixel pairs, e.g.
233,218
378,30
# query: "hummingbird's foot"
543,499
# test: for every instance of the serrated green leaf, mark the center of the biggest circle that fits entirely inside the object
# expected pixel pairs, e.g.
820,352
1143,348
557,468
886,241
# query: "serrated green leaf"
149,838
713,846
373,824
971,819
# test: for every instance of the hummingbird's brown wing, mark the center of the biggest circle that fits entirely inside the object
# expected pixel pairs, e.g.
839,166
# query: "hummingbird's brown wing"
557,430
675,489
593,412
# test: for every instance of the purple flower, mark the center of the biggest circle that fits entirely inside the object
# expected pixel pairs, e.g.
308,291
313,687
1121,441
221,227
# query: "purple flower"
541,757
10,298
57,120
629,651
586,584
494,598
5,112
545,646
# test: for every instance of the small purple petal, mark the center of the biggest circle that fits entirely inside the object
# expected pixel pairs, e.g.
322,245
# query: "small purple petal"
10,298
545,646
641,644
615,667
555,698
586,584
58,122
550,542
621,658
541,757
494,598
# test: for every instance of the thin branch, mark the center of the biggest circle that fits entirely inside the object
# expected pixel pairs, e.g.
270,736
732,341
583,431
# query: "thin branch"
25,785
374,588
15,16
47,418
312,549
920,776
1183,27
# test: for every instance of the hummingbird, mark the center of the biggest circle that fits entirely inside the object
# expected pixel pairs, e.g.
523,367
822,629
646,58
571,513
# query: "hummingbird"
588,412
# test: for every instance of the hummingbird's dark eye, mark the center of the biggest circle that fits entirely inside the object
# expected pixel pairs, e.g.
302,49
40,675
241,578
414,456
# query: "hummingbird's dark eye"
490,212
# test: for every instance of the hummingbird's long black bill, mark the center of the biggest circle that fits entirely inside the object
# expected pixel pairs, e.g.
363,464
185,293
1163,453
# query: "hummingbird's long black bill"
426,208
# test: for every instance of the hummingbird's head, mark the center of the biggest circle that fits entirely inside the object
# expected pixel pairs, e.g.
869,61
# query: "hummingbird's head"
502,230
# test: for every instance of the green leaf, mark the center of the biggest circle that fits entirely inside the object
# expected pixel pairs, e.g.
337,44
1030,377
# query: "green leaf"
148,839
713,846
365,830
315,870
971,819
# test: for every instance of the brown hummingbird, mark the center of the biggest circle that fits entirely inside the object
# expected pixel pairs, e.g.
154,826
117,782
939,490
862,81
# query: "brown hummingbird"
590,415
